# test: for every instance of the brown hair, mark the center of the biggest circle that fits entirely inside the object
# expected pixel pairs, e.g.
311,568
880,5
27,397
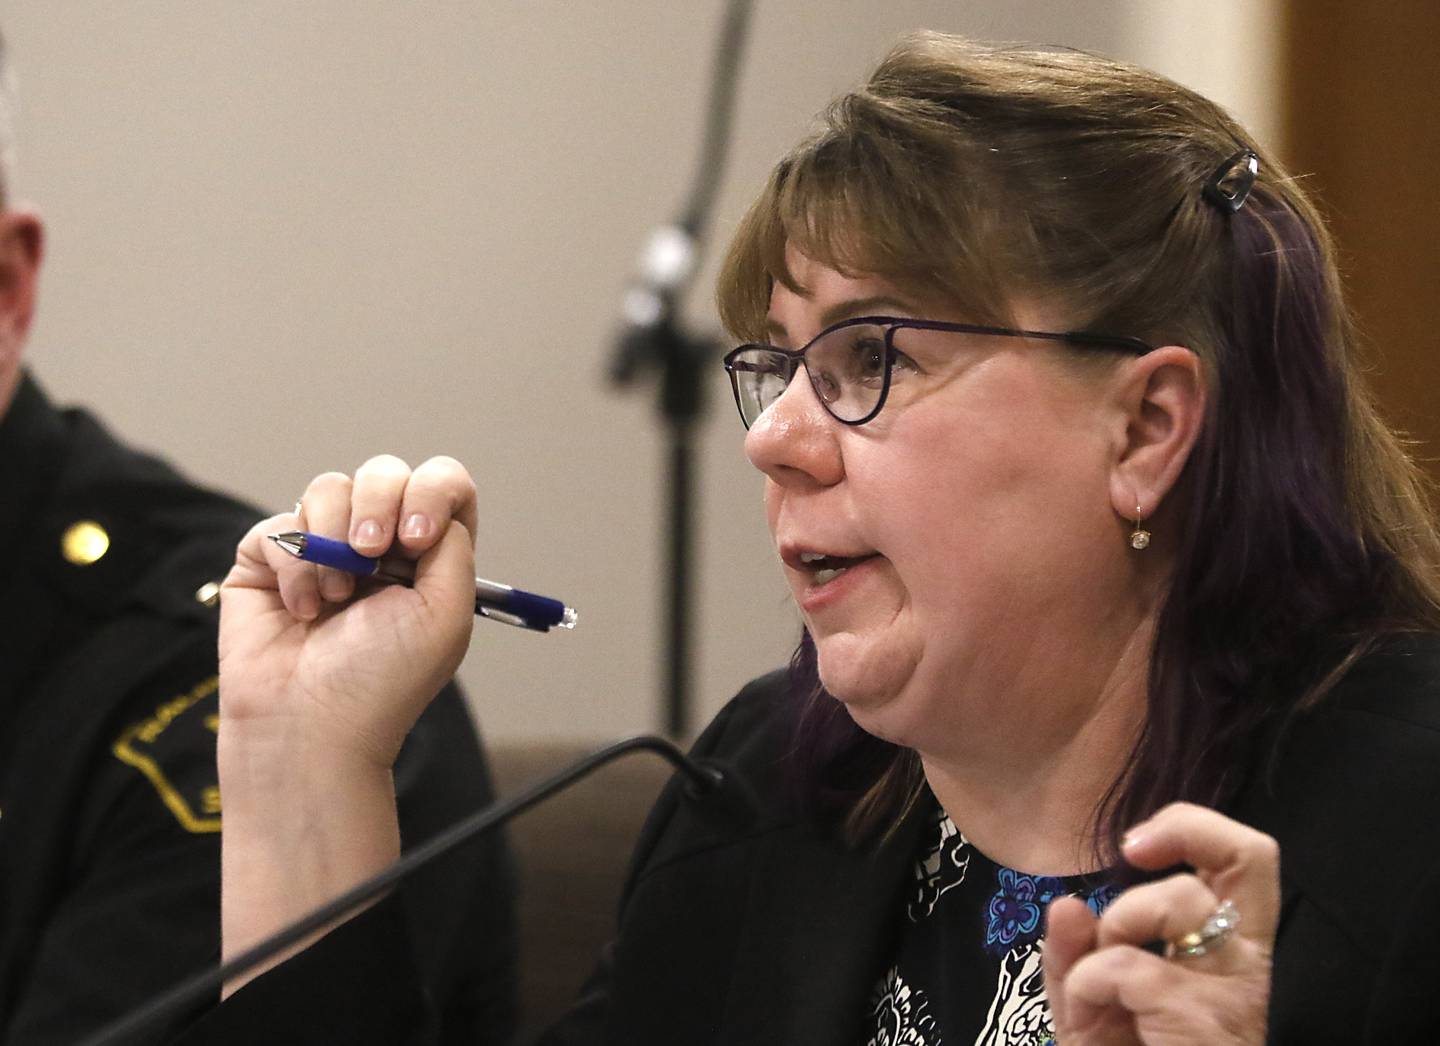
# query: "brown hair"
977,175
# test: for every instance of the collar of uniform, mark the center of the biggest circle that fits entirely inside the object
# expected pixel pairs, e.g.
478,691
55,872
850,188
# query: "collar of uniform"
32,441
65,470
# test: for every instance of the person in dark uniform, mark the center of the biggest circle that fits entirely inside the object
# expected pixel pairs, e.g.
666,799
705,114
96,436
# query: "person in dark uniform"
110,811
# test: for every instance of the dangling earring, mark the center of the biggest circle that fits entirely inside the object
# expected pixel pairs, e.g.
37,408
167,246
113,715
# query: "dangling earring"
1139,537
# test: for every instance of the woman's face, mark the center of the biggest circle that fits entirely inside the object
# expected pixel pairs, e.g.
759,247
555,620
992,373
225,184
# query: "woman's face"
973,512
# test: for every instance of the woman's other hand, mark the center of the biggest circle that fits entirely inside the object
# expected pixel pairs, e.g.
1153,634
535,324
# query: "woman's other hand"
1105,987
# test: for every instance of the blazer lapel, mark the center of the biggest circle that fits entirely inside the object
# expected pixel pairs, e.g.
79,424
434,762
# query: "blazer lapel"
820,926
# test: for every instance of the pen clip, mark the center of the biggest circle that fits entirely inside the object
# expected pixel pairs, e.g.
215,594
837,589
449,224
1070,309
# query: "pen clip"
509,619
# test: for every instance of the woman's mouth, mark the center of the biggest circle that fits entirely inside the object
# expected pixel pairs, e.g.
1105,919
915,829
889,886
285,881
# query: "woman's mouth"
827,580
824,568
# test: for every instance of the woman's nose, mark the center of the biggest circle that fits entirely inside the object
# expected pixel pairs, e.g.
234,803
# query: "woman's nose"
794,441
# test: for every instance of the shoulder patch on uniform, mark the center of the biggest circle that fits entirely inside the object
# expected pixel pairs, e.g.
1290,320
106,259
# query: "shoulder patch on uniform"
175,749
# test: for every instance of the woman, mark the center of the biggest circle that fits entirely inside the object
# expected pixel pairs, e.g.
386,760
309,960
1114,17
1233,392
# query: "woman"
1115,591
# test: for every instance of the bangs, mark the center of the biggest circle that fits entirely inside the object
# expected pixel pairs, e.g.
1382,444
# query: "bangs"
871,201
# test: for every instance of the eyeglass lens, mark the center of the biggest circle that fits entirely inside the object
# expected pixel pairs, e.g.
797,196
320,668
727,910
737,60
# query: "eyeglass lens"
846,368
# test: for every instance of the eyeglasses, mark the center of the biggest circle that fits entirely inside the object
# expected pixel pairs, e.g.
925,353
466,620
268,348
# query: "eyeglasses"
851,365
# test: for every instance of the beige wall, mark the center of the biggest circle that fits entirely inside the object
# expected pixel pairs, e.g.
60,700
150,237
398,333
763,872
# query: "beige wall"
284,236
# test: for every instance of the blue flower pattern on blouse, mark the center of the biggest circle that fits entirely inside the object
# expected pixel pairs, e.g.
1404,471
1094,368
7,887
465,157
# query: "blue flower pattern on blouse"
1015,912
1016,908
1101,898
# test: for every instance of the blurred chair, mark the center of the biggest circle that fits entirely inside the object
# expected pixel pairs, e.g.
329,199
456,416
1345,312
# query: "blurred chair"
571,854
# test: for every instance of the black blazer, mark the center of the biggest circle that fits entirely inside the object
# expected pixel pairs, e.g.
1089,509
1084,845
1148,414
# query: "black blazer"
773,932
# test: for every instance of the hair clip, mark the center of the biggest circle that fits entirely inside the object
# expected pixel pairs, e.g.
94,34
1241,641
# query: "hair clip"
1229,187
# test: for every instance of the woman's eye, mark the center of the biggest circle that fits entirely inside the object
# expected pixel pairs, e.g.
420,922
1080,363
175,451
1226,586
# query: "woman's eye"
870,359
903,367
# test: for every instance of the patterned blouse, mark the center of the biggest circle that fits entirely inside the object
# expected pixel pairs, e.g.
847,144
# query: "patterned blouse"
968,967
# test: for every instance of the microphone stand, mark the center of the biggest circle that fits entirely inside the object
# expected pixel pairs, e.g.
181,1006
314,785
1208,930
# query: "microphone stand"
682,404
703,781
655,339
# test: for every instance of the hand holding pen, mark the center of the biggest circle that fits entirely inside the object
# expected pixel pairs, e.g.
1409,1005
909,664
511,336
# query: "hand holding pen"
298,648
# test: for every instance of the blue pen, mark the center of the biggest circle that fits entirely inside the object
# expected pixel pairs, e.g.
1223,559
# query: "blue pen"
492,600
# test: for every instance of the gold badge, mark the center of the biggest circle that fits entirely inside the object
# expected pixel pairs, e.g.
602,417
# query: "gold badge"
84,543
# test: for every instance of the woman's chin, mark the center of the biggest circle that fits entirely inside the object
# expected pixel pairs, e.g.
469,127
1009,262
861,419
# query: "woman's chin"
866,681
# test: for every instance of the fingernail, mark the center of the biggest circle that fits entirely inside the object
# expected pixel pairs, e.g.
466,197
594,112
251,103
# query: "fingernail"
334,586
1131,839
368,533
307,606
417,526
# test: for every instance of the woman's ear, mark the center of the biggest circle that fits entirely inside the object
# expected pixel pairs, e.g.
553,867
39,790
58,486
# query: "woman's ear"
1160,407
22,241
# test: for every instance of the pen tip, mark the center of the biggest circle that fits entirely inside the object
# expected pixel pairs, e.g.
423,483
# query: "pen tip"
292,541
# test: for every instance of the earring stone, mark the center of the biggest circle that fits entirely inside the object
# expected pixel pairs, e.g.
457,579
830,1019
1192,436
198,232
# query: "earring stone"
1139,537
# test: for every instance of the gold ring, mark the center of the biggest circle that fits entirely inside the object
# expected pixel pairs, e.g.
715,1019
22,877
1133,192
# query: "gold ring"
1218,929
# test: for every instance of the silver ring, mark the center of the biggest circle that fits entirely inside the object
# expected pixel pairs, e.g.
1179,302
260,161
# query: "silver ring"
299,507
1218,929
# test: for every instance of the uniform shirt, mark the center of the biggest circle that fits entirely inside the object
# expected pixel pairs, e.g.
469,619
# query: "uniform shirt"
109,807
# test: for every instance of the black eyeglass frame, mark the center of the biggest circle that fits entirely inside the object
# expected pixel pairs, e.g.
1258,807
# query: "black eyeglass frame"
796,357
